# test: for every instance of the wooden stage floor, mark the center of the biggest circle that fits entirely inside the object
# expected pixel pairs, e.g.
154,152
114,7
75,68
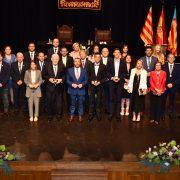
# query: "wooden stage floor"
86,141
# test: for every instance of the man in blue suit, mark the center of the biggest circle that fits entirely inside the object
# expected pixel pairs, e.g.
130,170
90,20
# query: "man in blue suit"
172,82
76,79
149,61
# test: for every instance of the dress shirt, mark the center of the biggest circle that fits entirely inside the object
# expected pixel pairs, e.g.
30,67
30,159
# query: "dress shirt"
33,76
64,60
55,50
104,59
0,66
171,66
96,66
55,67
116,66
77,72
32,54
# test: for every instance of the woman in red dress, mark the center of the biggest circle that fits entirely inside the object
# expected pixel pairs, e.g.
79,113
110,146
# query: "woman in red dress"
157,89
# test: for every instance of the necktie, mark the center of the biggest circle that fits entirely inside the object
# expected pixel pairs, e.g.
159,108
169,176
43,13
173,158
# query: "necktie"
77,73
41,64
55,70
148,62
83,64
19,66
171,69
55,50
31,55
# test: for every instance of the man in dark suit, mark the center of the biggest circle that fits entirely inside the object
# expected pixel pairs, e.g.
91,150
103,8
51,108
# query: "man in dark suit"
66,59
55,49
40,66
115,71
18,69
172,82
105,59
31,54
97,76
149,61
54,75
76,79
85,64
68,63
4,78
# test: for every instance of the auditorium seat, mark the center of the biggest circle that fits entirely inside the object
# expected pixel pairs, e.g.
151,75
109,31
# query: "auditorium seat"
65,34
102,36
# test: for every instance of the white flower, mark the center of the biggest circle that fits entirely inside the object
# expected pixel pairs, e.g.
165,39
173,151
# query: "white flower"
149,149
175,148
170,153
155,147
166,164
155,153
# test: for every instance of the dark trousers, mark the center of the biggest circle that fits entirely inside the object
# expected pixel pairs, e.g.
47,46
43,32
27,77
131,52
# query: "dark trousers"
20,101
66,97
54,101
4,94
86,102
106,98
43,100
115,98
95,98
155,106
171,92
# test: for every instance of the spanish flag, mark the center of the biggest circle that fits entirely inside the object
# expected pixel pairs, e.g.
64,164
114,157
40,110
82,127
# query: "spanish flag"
172,39
161,30
147,30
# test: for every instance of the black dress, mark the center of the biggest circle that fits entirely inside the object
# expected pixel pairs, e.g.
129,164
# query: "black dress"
137,101
125,94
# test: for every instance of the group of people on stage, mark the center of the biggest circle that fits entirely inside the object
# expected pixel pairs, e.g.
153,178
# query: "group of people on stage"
83,83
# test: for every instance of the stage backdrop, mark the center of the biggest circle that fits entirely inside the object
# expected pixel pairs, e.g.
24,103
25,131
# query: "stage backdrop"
80,4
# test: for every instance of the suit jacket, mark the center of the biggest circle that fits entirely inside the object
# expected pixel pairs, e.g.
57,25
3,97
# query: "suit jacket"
111,70
175,80
158,81
101,75
5,74
71,78
38,65
69,62
152,64
27,57
51,52
48,73
87,65
15,74
143,80
28,81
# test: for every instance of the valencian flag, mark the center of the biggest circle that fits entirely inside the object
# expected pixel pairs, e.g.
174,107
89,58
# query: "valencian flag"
161,30
147,30
172,39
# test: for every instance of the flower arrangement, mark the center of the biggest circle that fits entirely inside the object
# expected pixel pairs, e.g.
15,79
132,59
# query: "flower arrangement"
5,157
82,47
164,155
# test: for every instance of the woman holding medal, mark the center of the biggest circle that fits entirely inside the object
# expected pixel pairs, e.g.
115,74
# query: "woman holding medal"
157,87
137,86
33,81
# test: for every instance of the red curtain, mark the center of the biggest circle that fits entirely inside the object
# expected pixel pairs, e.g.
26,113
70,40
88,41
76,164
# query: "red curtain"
80,4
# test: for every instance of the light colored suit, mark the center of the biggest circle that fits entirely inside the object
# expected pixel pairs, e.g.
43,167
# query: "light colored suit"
32,94
143,80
